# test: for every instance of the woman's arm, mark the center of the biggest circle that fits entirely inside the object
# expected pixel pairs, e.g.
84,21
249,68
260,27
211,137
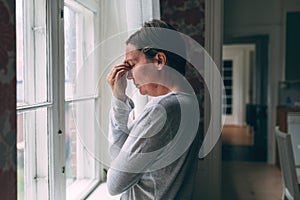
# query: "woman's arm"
118,124
140,150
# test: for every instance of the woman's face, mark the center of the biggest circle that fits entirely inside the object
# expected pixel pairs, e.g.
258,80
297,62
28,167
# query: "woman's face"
143,71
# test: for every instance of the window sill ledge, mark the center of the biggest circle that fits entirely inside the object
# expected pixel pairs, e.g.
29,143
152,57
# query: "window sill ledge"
101,191
80,188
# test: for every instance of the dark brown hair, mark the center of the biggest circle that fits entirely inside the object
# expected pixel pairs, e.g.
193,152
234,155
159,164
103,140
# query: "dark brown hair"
154,37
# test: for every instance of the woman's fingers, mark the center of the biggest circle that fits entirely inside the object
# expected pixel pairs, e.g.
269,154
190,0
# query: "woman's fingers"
117,80
117,72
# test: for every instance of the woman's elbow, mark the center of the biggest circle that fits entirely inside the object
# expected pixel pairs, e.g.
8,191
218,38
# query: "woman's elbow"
112,185
113,190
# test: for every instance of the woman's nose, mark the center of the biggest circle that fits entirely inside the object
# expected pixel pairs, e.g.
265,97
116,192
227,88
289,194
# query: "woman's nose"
129,75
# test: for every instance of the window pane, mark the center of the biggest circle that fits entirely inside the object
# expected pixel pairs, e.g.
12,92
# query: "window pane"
71,143
20,51
31,52
80,97
20,155
228,81
80,141
32,154
79,42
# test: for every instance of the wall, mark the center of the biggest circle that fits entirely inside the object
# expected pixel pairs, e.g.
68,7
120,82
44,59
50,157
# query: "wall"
8,179
190,17
292,63
267,17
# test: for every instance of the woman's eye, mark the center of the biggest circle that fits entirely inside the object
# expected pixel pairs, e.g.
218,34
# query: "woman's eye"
131,66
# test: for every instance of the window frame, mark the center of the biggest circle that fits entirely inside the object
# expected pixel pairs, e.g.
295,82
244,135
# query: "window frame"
82,187
54,139
79,189
29,108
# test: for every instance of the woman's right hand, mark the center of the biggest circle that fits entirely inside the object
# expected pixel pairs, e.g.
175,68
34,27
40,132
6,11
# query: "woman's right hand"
117,80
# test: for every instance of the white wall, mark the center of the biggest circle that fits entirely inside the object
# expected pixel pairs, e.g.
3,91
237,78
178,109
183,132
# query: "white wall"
263,17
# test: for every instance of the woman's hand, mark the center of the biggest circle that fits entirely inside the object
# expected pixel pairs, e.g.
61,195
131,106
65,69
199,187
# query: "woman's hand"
117,80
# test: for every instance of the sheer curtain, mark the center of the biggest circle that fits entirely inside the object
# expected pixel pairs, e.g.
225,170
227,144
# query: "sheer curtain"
139,11
117,20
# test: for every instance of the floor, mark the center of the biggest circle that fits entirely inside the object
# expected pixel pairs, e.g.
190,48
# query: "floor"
237,135
238,144
242,179
250,181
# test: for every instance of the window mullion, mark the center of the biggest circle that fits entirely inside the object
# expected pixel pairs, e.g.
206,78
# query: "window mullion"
57,133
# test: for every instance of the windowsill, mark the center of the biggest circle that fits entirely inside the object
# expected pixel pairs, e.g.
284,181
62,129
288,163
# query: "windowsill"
101,191
81,188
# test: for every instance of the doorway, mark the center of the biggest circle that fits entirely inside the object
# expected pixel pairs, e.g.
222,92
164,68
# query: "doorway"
245,65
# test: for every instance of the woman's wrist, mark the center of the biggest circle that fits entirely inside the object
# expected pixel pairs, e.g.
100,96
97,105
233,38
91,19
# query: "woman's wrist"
121,98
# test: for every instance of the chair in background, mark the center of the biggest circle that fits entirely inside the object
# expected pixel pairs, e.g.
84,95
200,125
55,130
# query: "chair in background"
291,187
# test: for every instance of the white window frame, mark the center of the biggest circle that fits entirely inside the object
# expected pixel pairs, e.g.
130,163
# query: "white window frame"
48,180
35,181
83,185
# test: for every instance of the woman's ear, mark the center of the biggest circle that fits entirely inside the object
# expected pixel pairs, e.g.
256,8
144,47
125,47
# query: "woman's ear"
161,60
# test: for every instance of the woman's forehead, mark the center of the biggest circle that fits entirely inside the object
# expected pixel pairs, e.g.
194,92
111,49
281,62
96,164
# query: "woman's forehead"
132,53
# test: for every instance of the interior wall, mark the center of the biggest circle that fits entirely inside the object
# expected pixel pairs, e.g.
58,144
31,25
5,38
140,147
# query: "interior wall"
189,18
8,174
255,17
292,40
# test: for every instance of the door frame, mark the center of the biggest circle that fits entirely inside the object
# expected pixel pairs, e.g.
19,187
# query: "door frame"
260,96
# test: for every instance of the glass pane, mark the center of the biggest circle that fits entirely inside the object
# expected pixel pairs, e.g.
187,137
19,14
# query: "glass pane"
31,52
32,154
20,155
20,51
80,141
79,95
79,42
71,143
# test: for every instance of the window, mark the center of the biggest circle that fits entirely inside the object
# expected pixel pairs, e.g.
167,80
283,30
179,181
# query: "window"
80,99
227,77
32,101
56,99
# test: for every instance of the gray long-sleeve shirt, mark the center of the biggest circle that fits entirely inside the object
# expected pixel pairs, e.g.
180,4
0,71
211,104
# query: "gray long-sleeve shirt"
155,157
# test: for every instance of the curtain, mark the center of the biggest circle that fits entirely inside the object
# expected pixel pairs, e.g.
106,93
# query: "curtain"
117,20
139,11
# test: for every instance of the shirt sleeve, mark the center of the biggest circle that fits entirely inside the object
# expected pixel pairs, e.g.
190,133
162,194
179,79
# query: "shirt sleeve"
118,124
139,150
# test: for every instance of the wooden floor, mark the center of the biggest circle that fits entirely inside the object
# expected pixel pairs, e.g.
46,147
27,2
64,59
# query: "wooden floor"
250,181
238,144
245,180
237,135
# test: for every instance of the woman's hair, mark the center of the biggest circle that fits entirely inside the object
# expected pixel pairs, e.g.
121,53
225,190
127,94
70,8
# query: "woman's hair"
159,36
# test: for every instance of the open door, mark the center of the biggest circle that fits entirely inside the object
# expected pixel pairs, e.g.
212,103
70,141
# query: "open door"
245,73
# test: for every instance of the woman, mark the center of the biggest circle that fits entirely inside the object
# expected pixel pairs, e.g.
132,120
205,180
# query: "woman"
155,157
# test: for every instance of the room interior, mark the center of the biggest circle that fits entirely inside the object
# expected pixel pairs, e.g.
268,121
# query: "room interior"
242,165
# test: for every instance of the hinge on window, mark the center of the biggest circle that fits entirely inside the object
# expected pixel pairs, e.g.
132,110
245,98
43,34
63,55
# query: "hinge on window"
63,169
39,29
